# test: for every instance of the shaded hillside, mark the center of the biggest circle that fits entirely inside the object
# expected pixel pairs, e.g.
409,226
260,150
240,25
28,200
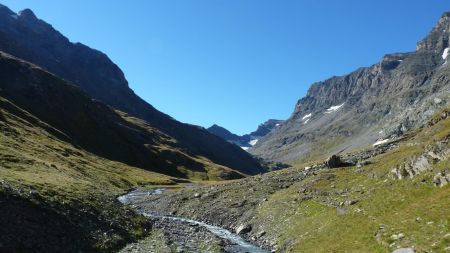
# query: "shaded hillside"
372,104
27,37
56,197
92,125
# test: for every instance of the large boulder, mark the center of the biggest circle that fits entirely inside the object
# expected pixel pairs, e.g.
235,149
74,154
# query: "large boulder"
243,229
334,162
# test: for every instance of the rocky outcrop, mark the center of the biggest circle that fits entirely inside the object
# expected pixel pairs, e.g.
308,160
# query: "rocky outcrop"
442,178
354,111
412,168
416,165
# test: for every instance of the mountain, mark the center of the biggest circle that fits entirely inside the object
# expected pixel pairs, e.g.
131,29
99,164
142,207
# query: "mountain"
64,159
25,36
98,128
248,140
368,106
225,134
266,127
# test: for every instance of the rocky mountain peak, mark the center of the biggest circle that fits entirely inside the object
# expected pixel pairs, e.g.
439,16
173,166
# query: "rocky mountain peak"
4,9
266,127
27,14
438,39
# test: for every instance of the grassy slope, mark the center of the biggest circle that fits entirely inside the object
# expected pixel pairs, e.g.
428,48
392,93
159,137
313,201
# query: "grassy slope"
37,168
209,171
98,128
306,212
413,207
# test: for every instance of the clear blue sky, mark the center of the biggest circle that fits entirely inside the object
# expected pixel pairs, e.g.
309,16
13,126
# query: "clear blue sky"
237,63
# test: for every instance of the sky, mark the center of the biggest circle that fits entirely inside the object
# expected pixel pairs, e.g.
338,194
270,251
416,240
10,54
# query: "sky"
237,63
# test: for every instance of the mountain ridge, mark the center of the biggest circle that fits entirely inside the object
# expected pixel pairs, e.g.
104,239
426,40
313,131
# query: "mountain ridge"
87,123
29,38
245,141
354,111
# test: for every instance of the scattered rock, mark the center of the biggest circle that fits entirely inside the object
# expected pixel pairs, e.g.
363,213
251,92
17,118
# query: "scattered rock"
404,250
397,236
302,190
261,233
350,202
442,178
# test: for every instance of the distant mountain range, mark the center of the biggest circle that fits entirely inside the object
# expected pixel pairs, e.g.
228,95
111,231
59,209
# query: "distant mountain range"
248,140
368,106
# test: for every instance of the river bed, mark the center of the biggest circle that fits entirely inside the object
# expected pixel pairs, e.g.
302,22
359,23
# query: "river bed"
235,243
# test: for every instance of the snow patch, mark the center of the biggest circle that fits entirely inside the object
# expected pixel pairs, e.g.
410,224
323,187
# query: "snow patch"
253,142
334,108
380,142
445,53
245,148
278,124
306,121
307,116
14,16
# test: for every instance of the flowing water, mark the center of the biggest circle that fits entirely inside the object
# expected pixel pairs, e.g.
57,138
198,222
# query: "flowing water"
238,245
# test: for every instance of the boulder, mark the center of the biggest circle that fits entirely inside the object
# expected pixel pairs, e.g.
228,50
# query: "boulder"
334,162
243,229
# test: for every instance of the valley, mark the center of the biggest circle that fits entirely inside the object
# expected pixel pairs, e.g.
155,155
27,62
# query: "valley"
86,165
294,209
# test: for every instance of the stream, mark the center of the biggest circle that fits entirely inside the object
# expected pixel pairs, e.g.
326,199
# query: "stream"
236,243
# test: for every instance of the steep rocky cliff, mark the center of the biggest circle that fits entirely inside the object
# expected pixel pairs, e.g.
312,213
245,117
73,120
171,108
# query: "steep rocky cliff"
368,106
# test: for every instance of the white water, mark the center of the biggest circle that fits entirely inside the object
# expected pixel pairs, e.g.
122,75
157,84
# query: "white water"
240,245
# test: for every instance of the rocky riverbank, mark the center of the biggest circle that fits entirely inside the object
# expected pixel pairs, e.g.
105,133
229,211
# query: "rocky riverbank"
175,234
